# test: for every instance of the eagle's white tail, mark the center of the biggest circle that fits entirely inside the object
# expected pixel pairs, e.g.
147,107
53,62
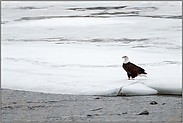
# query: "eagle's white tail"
141,75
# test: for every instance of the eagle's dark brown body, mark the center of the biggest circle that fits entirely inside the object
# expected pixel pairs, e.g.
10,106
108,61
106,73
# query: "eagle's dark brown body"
133,70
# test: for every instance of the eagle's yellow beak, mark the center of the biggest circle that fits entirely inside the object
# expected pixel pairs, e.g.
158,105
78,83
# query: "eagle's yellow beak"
123,57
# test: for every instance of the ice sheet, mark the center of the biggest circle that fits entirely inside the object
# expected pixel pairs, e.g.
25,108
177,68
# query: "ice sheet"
83,69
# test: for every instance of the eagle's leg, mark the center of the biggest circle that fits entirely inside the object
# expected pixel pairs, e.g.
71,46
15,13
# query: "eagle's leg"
133,75
128,76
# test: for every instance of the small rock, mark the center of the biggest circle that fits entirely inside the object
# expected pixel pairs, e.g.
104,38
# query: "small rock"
153,103
144,113
163,103
14,102
89,115
7,107
99,114
97,98
124,113
96,109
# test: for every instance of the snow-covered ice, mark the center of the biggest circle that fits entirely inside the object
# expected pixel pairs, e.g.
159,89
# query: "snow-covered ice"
76,47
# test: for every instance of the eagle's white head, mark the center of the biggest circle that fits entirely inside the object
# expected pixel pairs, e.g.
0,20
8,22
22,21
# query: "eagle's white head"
126,59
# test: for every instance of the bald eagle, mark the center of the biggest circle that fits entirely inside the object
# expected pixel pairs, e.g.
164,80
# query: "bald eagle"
132,69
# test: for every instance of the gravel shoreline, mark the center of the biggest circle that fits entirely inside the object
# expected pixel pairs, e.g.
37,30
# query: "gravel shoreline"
26,106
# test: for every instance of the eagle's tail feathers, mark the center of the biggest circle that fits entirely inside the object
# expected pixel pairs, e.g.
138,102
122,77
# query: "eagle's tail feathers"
141,75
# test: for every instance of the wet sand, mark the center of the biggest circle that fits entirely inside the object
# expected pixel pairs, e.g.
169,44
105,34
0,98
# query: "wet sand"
26,106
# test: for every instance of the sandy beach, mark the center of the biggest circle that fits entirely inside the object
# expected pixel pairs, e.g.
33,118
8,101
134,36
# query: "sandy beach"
25,106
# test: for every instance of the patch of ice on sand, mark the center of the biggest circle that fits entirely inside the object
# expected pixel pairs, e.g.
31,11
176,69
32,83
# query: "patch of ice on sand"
138,89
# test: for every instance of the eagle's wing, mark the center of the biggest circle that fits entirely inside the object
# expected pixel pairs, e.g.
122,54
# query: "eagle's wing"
136,69
128,68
